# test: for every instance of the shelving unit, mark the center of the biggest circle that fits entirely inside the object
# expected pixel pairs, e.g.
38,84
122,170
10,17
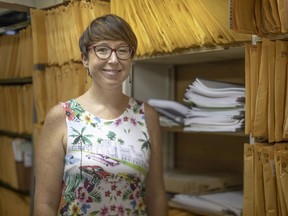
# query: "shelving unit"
16,81
18,190
196,55
166,77
14,27
180,130
16,175
14,135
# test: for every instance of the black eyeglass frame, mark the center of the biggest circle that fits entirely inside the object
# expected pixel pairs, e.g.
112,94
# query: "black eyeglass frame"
112,50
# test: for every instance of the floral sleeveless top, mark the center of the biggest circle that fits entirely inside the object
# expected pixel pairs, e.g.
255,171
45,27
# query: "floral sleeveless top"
106,162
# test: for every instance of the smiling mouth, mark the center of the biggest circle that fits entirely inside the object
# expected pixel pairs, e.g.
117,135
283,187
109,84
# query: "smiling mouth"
111,71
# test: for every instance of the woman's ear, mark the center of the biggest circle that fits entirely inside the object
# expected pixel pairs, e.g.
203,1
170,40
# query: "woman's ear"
84,60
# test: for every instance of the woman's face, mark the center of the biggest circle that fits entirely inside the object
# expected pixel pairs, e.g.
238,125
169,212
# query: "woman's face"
108,72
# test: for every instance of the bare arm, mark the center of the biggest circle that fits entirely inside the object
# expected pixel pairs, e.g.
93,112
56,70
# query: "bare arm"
49,163
156,195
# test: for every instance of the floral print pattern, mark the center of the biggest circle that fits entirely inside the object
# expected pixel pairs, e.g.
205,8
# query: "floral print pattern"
106,162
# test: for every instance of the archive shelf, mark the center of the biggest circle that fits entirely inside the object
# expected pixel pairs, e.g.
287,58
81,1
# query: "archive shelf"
14,27
15,186
196,55
181,130
13,134
18,191
11,83
169,75
16,81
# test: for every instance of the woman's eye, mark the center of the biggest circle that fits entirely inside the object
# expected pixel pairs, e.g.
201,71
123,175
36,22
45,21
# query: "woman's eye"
123,50
102,49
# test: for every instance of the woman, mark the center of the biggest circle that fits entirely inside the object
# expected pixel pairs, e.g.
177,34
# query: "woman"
100,154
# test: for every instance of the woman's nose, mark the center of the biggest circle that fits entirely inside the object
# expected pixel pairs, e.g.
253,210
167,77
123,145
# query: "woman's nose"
113,57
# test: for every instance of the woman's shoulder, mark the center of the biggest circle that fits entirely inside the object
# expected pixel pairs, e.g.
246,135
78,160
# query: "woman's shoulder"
149,110
151,115
55,114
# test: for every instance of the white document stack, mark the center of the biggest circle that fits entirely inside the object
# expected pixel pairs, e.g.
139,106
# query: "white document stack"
215,106
218,204
172,112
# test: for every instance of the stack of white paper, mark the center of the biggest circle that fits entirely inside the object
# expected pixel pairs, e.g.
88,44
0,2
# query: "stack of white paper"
172,110
215,106
217,204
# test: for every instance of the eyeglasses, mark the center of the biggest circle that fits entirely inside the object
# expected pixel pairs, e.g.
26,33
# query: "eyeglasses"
104,52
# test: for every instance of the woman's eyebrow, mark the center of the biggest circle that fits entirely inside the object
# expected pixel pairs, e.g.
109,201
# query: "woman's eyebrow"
108,44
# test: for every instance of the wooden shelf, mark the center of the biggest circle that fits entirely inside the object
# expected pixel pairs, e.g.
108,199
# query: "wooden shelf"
276,36
14,27
15,135
9,187
181,130
16,81
196,55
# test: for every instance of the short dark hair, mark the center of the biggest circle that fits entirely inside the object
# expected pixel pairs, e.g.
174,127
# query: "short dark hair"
107,27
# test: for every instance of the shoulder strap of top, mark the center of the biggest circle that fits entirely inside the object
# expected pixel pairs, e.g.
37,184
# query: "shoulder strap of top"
69,112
